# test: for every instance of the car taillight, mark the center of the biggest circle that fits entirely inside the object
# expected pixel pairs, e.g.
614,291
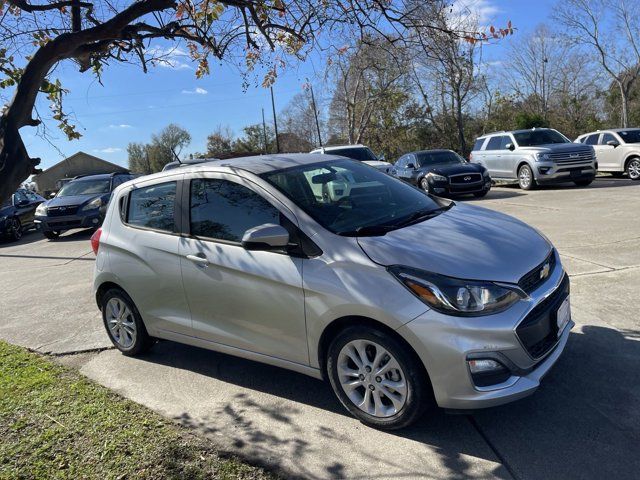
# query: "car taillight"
95,241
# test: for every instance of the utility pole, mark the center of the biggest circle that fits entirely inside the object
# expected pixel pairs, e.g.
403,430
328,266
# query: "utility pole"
264,132
315,112
275,121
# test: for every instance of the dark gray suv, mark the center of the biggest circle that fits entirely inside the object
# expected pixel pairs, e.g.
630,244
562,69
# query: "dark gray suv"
535,156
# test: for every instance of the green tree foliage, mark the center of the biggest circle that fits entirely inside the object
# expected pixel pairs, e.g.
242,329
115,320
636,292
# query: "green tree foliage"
164,147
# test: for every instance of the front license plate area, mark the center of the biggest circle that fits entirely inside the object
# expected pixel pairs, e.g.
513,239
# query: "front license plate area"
563,315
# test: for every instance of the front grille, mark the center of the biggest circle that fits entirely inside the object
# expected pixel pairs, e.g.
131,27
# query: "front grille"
473,187
532,280
62,211
538,332
64,223
572,157
465,178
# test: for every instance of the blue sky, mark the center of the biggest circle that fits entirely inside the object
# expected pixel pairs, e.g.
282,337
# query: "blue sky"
132,105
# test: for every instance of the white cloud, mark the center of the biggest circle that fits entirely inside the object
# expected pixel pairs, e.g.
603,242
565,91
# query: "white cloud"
122,125
107,150
196,91
482,11
174,58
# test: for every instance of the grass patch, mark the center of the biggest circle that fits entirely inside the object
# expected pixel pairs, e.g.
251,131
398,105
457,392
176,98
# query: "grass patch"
54,423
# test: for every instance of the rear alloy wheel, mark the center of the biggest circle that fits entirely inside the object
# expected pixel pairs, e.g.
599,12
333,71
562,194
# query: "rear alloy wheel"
633,169
13,229
124,324
525,178
376,378
51,235
424,185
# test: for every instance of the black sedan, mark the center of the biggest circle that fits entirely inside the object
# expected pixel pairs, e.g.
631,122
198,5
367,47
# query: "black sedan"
17,213
443,173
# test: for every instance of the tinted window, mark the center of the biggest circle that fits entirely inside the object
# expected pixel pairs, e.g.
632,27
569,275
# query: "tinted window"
18,197
607,137
32,196
85,187
532,138
506,140
630,136
120,179
494,143
153,206
344,196
362,154
478,144
592,139
433,158
225,210
402,162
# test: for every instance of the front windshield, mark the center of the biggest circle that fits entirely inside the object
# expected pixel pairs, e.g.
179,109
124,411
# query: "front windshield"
426,159
630,136
347,197
531,138
356,153
84,187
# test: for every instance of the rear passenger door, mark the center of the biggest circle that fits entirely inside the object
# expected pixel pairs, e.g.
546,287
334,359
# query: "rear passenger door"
247,300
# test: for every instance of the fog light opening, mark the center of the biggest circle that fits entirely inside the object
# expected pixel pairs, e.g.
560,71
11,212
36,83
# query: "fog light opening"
486,372
544,170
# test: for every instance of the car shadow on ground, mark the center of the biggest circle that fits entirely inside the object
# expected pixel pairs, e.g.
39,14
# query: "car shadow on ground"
30,236
36,235
583,422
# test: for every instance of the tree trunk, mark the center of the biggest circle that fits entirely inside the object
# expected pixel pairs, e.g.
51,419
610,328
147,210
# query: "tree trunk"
15,163
624,99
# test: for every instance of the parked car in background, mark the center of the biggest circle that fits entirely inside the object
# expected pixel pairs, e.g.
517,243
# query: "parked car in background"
357,152
617,150
80,203
443,173
539,156
17,213
187,162
397,298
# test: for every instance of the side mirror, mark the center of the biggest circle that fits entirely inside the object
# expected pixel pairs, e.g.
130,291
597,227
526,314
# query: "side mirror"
613,143
411,166
265,237
510,146
52,194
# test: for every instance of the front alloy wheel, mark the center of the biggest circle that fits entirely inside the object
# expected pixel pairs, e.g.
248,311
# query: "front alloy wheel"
424,185
14,229
525,178
377,378
633,169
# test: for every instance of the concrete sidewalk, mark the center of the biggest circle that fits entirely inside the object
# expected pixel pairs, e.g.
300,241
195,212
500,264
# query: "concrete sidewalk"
583,423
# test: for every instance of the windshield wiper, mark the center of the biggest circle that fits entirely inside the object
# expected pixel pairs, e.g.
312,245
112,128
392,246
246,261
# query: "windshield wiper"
422,215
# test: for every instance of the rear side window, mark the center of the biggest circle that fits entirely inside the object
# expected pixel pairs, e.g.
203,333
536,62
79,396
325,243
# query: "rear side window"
153,207
592,139
224,210
495,143
478,144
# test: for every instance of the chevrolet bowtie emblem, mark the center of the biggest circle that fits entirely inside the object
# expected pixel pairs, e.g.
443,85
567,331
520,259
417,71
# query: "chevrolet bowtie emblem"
544,272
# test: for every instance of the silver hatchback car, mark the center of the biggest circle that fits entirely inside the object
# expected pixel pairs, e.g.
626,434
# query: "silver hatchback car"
329,267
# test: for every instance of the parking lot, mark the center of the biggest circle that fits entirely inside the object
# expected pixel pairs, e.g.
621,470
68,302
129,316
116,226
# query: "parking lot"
584,422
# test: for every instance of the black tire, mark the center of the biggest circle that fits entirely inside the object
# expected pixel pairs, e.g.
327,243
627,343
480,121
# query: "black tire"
633,169
51,235
481,194
13,229
526,181
424,185
419,395
583,183
142,342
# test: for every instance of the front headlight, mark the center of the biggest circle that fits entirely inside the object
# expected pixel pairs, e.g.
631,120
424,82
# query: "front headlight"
93,204
486,174
41,210
540,157
434,177
455,296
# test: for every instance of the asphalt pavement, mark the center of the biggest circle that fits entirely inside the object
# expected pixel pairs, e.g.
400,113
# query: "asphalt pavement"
584,422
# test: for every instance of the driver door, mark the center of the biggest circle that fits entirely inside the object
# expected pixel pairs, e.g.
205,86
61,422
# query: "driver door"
250,300
608,154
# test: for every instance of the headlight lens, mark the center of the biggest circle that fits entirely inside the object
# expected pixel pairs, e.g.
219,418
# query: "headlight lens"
486,174
41,210
93,204
455,296
542,156
436,178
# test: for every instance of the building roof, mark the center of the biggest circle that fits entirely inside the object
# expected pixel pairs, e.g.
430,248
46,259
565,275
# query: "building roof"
70,158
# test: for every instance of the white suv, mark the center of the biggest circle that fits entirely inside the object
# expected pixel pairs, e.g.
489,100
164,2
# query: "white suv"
358,152
618,150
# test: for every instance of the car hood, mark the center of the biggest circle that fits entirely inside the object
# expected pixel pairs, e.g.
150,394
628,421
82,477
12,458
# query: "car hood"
452,169
6,210
466,242
73,200
560,147
377,163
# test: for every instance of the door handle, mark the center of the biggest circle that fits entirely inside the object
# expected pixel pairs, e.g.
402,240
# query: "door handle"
200,259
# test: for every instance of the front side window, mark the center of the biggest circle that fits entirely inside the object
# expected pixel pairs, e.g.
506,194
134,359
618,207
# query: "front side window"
224,210
426,159
494,143
84,187
153,207
348,198
532,138
630,136
19,197
607,137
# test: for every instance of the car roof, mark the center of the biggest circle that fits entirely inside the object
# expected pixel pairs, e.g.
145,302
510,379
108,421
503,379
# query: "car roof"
502,132
433,150
98,176
336,147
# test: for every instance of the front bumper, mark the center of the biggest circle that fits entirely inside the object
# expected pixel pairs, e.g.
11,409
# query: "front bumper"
446,189
446,343
92,219
550,172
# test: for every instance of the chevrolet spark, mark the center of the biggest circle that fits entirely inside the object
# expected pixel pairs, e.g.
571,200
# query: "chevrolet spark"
331,268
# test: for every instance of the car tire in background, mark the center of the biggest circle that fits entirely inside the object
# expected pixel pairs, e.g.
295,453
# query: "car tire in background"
51,235
633,169
481,194
525,178
424,185
377,378
583,183
13,227
124,324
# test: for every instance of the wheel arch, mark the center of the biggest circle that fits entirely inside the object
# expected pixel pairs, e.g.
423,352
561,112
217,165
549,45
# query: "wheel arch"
104,288
630,157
